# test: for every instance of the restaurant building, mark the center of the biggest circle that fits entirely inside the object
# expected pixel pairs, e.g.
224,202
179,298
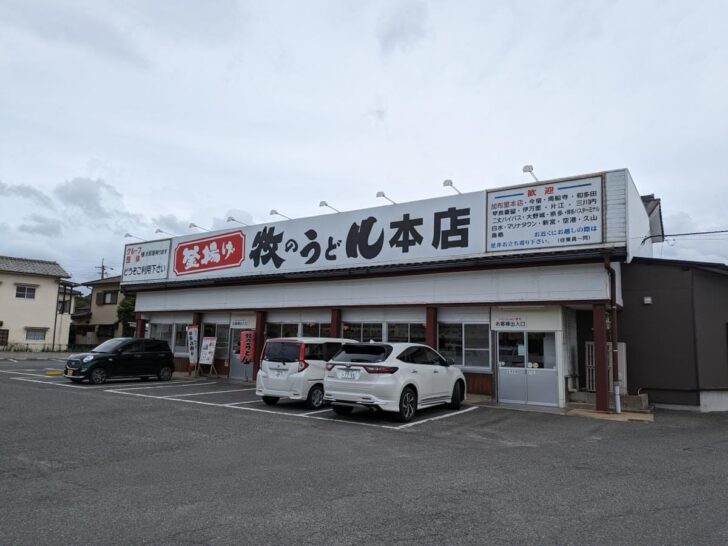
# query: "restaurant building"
508,282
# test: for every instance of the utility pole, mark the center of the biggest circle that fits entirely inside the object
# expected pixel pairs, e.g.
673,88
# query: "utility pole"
103,268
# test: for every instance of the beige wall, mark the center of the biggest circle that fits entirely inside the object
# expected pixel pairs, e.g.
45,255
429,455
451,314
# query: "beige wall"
104,314
18,313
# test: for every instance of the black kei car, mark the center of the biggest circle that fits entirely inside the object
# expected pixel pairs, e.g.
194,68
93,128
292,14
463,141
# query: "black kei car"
122,357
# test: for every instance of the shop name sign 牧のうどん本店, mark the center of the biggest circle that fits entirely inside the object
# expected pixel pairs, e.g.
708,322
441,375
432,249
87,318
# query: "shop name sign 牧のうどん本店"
432,229
543,215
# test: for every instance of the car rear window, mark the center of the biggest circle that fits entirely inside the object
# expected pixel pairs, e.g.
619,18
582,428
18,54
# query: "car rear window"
321,351
362,353
281,351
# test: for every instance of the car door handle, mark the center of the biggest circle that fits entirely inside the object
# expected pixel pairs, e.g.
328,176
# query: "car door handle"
436,371
414,371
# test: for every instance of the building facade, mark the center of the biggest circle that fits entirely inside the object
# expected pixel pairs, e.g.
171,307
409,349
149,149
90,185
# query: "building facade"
35,305
492,279
100,321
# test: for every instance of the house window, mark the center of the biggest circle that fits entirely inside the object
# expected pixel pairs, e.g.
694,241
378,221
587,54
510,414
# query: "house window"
25,292
468,344
35,334
107,298
4,334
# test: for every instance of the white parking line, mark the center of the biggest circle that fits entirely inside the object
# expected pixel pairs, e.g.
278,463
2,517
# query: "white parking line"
241,403
208,392
55,383
259,410
12,360
169,384
318,411
400,427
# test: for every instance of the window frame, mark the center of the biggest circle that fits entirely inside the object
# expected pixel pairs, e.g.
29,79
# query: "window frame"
35,330
463,323
28,292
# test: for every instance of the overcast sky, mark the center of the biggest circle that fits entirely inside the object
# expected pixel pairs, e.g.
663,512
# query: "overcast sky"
127,116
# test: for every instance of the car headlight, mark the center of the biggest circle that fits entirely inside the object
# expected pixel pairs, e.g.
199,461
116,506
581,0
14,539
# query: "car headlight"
88,358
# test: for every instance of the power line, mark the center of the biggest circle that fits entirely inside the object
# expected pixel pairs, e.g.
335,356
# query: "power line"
665,235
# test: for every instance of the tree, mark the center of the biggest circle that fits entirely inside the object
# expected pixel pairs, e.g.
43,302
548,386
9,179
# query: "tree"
126,315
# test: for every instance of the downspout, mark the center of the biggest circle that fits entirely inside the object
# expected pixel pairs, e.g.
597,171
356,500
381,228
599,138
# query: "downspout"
613,332
55,318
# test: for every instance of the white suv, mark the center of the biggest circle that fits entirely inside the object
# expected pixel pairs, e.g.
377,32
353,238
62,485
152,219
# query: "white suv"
396,377
294,368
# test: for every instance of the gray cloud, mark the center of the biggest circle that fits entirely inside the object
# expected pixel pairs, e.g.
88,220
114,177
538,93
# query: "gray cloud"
74,25
88,195
172,224
403,28
238,214
26,192
41,225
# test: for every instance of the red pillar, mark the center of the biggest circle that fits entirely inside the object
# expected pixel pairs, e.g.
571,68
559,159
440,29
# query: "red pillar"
139,329
259,340
335,323
600,357
431,327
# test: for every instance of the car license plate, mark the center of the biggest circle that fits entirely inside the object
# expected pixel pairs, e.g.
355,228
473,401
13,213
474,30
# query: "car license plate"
279,373
69,372
348,374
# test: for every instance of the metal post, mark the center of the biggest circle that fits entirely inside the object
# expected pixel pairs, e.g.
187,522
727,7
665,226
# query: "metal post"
600,357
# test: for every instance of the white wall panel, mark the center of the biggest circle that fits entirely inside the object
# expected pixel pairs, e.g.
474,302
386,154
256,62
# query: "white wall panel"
401,314
638,223
616,204
308,315
463,314
536,284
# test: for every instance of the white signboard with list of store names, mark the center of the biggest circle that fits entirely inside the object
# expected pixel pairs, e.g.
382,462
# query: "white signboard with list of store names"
545,215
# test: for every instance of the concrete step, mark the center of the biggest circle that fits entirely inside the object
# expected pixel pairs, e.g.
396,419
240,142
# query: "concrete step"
630,402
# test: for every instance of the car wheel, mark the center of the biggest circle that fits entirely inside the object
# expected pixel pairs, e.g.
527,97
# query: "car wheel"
97,376
315,398
270,400
165,374
457,396
407,405
343,410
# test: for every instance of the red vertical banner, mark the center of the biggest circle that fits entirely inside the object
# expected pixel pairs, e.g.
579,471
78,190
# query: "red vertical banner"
247,345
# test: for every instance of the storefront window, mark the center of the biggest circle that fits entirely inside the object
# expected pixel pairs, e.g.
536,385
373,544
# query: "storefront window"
221,332
362,331
180,338
351,330
476,350
541,350
468,344
402,332
289,330
160,331
450,342
511,349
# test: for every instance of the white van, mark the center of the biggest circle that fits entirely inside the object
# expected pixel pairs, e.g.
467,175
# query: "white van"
294,367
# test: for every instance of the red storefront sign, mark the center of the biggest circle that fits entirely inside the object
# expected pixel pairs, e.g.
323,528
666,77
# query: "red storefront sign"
209,253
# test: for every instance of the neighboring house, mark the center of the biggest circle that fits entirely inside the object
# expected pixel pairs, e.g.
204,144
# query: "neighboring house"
36,303
99,322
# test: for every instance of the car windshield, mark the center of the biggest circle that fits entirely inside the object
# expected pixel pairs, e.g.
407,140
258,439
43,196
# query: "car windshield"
281,351
364,352
109,346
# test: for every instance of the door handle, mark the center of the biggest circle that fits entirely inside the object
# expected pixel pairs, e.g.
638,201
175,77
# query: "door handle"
436,371
414,371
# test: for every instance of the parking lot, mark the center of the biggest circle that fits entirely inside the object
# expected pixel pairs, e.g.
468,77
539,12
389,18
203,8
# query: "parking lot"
203,461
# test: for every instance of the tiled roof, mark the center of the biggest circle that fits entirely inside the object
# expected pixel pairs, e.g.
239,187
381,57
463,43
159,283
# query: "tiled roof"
32,267
106,280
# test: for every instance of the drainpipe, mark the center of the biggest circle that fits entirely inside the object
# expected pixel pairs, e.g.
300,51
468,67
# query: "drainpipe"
613,332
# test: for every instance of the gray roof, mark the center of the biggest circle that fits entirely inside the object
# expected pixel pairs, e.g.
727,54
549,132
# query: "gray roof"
32,267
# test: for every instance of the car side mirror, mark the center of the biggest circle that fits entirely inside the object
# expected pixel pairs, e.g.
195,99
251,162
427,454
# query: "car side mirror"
449,362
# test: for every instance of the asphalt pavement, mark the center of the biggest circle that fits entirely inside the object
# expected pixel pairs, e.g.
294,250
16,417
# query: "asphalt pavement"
204,462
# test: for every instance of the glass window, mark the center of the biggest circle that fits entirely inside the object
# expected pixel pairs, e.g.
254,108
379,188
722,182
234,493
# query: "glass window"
325,330
541,350
35,334
397,332
289,330
208,330
25,292
311,329
281,351
160,331
351,330
417,333
222,333
314,351
4,334
450,342
354,352
330,349
371,331
272,330
180,337
511,349
476,350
